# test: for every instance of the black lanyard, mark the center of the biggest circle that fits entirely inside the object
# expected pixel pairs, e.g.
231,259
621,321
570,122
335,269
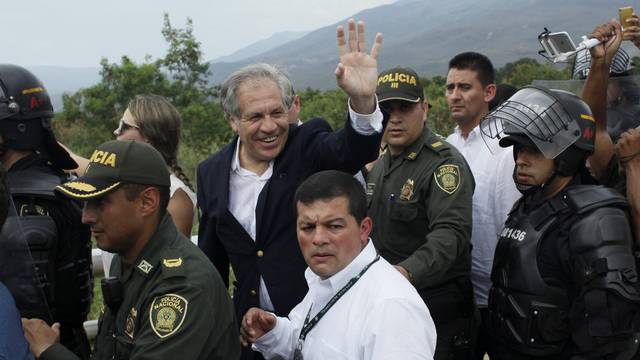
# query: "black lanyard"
309,325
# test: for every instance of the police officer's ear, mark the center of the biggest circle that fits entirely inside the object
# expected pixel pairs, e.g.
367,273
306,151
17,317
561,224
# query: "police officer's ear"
425,109
149,201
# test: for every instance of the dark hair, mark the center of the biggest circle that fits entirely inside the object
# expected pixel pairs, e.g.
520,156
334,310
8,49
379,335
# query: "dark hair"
503,92
330,184
476,62
4,196
131,191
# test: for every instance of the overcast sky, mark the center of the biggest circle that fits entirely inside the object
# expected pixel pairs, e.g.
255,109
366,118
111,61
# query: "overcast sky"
81,32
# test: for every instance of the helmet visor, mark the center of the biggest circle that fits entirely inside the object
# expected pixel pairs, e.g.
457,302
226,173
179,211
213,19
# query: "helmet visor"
536,114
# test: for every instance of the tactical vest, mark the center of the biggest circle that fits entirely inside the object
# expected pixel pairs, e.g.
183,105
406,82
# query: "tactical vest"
35,225
527,314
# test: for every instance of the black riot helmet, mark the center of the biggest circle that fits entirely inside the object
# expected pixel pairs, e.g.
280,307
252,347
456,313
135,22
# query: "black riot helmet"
25,115
556,122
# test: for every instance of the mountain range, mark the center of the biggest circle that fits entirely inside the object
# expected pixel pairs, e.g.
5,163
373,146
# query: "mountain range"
423,34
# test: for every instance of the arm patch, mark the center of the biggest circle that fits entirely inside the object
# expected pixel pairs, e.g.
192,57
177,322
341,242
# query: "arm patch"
447,178
167,313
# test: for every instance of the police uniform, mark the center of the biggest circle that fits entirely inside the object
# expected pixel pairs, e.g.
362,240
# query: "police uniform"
60,246
173,305
565,283
170,302
420,203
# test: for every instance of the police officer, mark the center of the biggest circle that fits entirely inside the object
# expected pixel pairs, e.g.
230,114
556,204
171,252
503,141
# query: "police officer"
59,243
165,300
564,275
419,194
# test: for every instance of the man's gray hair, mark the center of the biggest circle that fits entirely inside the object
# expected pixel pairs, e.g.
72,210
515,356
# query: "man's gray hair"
228,98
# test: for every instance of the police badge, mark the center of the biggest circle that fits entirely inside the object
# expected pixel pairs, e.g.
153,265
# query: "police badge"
167,313
407,190
447,178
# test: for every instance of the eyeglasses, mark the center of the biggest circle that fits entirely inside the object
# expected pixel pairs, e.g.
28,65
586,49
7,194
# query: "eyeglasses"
123,126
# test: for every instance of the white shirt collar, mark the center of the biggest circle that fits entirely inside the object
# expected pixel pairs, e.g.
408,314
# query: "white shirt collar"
239,170
475,133
339,279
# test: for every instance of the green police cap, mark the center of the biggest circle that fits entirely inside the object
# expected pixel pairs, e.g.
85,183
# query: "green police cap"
399,84
114,163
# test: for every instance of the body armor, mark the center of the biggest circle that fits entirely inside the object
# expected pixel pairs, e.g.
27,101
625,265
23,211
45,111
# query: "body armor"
37,227
541,317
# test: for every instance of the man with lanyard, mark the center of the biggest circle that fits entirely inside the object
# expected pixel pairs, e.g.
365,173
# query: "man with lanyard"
164,299
419,198
358,306
564,275
245,191
470,87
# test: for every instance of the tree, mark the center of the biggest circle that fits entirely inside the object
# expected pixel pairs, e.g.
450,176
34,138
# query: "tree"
181,76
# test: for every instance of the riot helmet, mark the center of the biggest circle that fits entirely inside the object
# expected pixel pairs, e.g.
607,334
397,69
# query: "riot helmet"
25,115
556,122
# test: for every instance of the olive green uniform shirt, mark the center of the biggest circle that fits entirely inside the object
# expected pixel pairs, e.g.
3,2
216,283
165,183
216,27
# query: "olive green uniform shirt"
420,203
175,306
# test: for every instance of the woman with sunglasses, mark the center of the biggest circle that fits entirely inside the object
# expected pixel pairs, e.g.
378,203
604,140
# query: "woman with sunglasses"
154,120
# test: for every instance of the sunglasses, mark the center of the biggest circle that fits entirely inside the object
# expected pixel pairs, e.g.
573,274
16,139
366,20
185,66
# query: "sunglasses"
123,126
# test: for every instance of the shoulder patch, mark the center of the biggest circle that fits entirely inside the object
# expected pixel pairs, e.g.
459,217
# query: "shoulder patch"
436,144
167,313
447,178
171,263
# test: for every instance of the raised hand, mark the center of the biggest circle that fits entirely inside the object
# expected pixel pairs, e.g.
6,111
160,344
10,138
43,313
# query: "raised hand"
255,323
610,34
628,147
357,72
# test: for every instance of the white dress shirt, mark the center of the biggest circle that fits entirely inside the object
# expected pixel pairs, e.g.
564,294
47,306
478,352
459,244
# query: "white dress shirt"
245,186
495,193
380,317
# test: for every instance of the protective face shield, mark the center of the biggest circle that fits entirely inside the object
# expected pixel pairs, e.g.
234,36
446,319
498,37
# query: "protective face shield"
552,120
558,123
17,271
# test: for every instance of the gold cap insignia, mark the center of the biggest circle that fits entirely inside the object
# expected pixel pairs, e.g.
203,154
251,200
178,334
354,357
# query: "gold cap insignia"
447,178
407,190
167,313
171,263
144,266
130,323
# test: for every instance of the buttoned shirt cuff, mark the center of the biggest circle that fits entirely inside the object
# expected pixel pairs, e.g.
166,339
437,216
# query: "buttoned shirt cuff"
275,341
366,124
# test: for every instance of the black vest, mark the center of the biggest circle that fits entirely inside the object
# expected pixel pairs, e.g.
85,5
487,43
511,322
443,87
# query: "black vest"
527,313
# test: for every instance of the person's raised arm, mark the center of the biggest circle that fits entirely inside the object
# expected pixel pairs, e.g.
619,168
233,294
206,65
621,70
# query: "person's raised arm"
595,91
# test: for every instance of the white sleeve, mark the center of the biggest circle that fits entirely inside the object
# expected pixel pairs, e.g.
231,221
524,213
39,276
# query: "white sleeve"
281,341
366,124
399,329
506,193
